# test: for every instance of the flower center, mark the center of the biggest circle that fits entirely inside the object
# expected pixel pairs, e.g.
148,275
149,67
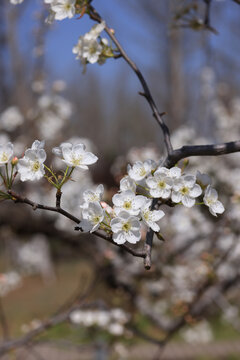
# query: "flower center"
161,184
96,219
35,166
146,215
126,227
76,161
93,197
184,190
142,172
4,157
127,205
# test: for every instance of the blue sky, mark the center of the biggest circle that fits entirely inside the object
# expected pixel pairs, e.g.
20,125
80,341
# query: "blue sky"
64,35
134,34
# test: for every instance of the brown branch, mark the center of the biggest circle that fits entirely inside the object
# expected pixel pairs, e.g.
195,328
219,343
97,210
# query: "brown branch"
20,199
147,94
58,198
202,150
131,251
56,319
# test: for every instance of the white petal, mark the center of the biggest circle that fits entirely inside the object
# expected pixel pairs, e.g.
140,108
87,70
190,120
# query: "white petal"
195,191
133,237
156,215
176,197
89,158
189,180
217,207
188,201
119,238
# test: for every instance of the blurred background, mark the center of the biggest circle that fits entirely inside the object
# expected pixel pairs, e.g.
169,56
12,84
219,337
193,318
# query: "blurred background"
192,69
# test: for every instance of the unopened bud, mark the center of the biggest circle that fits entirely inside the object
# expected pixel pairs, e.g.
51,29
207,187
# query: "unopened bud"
14,161
112,31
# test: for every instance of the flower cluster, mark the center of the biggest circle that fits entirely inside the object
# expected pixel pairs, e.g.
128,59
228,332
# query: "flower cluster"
133,206
112,321
92,48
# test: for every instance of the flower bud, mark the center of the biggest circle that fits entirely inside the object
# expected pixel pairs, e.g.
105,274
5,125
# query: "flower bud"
14,161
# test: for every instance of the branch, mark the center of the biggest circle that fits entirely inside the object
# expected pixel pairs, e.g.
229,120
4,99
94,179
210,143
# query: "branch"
56,319
141,254
147,94
202,150
20,199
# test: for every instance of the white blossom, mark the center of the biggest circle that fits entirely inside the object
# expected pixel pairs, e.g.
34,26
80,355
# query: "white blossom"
87,50
150,217
126,183
31,166
6,153
11,118
211,200
128,201
92,216
140,170
160,184
75,155
92,195
63,9
95,31
185,190
125,227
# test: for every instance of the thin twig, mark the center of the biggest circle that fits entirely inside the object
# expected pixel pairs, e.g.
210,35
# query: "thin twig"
147,94
20,199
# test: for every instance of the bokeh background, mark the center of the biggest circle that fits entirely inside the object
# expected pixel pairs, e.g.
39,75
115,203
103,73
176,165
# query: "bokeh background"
45,265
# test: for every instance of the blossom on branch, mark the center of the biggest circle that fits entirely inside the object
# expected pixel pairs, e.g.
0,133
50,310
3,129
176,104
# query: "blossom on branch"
125,227
140,170
128,201
160,184
75,155
185,190
6,153
31,166
91,196
211,200
92,216
63,8
150,217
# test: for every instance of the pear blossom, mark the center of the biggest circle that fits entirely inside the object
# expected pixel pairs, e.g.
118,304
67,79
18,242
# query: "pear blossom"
128,201
91,196
211,200
150,217
126,183
125,227
140,170
87,49
31,166
63,8
185,190
160,184
6,153
58,149
75,155
92,216
95,31
11,118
